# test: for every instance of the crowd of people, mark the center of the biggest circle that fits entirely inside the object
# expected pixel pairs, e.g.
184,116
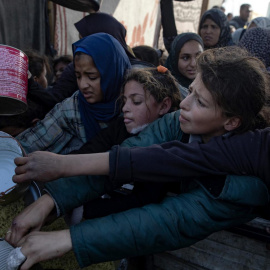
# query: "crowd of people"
190,133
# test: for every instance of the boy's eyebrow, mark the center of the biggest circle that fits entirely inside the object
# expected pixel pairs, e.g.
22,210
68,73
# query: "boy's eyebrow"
200,96
89,72
184,54
135,94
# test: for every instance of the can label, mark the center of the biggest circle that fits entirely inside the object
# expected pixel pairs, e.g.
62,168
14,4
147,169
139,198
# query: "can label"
13,73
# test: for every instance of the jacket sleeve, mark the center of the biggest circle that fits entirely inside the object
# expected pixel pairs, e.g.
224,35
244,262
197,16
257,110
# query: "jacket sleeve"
142,194
246,154
71,192
60,130
165,129
175,223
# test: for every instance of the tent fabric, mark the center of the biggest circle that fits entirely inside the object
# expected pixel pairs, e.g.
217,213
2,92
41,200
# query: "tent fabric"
79,5
65,32
23,24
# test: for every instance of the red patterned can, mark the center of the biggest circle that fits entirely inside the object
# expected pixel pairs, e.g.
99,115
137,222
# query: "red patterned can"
13,80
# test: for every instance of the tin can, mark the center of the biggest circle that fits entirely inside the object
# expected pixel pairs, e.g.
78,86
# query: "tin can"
13,80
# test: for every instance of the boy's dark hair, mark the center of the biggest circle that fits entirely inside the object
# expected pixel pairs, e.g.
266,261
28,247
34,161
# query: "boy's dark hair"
238,83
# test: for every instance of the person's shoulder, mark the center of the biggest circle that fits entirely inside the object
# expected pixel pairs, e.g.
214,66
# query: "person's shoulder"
69,103
235,22
235,18
168,120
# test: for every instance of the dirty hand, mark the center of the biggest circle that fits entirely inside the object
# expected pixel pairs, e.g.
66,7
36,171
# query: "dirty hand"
30,219
42,246
39,166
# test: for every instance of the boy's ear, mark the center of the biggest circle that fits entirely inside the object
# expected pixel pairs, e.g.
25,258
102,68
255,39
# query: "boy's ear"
232,123
166,105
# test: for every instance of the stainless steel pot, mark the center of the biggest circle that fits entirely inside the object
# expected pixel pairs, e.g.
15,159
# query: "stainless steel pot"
9,149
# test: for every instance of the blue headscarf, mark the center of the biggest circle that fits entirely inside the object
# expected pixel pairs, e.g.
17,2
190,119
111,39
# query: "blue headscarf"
111,61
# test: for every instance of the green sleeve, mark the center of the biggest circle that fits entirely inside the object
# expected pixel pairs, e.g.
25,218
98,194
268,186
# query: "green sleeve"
176,222
71,192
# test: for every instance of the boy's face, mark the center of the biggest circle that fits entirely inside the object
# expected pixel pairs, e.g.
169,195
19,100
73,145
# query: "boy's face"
200,114
88,78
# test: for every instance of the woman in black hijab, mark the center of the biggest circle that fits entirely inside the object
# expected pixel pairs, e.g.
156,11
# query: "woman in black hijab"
214,29
102,22
182,59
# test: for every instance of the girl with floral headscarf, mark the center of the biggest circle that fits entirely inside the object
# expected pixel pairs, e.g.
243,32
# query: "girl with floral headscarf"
257,42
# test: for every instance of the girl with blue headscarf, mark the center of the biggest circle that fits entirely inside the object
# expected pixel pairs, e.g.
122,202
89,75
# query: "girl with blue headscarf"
98,59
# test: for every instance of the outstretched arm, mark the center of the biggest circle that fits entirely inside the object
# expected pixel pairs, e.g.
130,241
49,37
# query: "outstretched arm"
246,154
150,229
46,166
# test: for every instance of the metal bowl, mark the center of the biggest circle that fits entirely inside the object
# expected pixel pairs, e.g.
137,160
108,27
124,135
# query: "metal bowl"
9,149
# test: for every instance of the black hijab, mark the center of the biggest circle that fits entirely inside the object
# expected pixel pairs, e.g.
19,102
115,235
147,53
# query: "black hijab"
218,16
102,22
172,60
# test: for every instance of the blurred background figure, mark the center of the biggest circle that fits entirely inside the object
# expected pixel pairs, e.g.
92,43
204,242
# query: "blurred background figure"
257,41
39,67
214,29
59,64
229,16
241,20
261,22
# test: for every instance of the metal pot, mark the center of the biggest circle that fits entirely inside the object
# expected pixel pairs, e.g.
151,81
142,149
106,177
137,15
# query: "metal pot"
9,149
